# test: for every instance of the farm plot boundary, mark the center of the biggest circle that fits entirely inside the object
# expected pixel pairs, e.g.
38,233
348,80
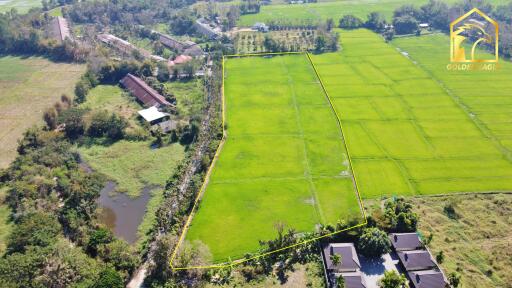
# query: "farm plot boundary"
216,156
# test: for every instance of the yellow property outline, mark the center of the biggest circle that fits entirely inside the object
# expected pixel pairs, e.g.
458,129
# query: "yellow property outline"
217,152
496,37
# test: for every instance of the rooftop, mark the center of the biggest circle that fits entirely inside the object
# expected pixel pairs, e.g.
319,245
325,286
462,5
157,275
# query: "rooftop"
353,280
152,114
405,241
416,260
349,259
427,279
143,91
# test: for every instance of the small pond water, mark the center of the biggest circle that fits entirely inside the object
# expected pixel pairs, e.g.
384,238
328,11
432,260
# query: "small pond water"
121,213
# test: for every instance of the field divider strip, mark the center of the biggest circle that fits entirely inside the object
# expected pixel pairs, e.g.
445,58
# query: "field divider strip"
308,177
217,152
338,119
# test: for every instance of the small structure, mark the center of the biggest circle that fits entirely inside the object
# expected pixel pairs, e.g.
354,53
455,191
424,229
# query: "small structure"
427,279
155,118
207,29
60,29
181,59
259,26
416,260
424,25
349,260
405,241
143,92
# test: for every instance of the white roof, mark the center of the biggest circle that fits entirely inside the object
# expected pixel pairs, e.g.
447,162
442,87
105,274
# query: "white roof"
151,114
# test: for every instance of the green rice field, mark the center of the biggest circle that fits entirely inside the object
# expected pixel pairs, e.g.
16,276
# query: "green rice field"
321,11
283,160
405,132
21,6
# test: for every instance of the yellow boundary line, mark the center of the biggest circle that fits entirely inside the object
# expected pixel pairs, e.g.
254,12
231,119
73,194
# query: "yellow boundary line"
217,152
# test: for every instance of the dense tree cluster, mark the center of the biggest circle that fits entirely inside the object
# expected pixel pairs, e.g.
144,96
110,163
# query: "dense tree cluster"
54,212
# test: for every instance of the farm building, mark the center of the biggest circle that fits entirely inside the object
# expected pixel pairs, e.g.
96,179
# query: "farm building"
261,27
405,241
156,118
181,59
187,47
59,29
143,92
207,29
125,47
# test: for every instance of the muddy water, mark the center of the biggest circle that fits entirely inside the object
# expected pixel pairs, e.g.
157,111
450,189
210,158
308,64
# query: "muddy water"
121,213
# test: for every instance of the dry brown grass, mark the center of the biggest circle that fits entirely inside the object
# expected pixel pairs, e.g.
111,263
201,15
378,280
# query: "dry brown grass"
477,244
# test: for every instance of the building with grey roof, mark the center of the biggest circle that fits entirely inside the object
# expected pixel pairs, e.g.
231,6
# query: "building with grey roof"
349,260
354,280
405,241
427,279
416,260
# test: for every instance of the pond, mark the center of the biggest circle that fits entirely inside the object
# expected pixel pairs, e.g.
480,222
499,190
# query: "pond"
121,213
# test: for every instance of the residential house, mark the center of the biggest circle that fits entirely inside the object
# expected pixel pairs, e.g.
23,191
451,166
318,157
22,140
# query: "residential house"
143,92
258,26
348,266
416,260
427,279
405,241
181,59
126,47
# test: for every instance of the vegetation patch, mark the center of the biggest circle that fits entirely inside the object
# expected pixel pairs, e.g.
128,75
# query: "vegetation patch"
133,164
476,243
283,160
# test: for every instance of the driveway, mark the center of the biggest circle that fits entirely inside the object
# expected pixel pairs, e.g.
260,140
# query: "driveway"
373,270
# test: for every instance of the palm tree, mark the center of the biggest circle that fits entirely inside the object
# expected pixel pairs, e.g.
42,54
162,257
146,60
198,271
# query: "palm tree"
336,259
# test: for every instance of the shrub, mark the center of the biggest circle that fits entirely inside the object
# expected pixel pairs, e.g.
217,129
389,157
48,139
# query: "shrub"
350,22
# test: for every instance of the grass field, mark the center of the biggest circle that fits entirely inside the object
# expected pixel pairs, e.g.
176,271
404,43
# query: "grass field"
477,243
21,6
314,12
283,160
133,165
27,87
405,133
251,42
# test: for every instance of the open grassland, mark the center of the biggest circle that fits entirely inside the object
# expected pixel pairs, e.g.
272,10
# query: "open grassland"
406,135
27,87
476,242
21,6
283,160
189,96
133,165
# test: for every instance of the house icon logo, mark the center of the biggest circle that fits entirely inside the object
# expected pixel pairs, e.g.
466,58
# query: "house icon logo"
470,31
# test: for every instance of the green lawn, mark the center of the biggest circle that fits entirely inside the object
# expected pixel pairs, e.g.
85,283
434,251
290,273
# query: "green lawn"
405,133
27,87
189,96
133,165
283,160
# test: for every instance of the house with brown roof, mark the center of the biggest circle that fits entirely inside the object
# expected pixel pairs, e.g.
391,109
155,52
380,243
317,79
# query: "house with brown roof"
143,92
181,59
405,241
427,279
416,260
